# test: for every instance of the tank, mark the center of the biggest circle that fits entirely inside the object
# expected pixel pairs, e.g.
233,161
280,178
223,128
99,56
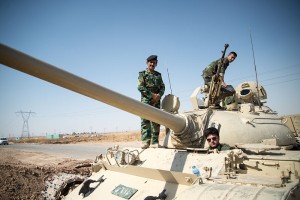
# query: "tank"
264,161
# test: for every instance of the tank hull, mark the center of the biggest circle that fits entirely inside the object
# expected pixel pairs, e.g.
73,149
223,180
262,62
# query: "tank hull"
171,169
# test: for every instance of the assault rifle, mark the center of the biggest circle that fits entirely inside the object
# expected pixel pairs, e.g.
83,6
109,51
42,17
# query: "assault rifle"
215,85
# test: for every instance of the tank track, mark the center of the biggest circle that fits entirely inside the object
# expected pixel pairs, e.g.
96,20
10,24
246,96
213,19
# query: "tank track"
61,184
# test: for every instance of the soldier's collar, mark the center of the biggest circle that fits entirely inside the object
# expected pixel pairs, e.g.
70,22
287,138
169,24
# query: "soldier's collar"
148,72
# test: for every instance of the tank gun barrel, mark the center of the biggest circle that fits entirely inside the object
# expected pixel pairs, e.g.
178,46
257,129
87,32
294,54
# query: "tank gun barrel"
32,66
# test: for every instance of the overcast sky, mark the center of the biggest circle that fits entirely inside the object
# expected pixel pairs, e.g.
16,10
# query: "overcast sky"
107,42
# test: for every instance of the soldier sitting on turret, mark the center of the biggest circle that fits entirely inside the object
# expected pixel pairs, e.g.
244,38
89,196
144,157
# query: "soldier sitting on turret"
212,69
213,139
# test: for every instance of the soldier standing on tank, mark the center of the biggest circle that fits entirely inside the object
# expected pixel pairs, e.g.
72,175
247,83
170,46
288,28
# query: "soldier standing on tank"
211,69
152,88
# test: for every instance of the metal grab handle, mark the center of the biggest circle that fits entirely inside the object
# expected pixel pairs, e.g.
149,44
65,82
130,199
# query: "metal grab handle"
258,118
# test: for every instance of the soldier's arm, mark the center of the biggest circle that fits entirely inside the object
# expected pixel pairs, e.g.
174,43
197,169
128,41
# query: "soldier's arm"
221,75
162,88
221,78
211,69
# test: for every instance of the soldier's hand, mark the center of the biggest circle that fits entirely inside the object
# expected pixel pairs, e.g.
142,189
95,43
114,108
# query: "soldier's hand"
156,98
224,84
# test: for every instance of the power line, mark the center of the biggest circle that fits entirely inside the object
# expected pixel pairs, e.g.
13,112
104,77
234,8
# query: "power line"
285,75
280,68
266,72
282,82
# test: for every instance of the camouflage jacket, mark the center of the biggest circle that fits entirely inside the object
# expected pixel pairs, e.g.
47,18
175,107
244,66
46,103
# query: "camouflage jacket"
150,83
212,68
221,147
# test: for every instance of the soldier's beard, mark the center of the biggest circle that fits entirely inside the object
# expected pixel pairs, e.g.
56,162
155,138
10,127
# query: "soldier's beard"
151,68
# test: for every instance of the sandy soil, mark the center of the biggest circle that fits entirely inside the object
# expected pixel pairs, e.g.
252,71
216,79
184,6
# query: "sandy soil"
23,174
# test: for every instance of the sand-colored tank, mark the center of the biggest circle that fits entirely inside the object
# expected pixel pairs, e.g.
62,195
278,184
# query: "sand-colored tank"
260,165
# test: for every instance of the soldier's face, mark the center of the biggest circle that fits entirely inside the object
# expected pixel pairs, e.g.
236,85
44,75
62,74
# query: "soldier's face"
231,58
212,140
151,65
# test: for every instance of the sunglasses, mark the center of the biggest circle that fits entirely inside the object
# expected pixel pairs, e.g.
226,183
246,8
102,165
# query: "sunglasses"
210,139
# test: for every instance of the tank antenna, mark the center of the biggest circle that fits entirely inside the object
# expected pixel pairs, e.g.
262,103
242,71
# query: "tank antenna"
169,81
259,104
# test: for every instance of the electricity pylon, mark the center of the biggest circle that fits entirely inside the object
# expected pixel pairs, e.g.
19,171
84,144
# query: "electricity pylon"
25,129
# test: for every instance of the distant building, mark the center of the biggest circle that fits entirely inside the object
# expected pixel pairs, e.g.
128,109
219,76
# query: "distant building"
54,136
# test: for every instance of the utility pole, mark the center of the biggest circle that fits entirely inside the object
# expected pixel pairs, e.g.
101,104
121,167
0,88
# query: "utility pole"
25,129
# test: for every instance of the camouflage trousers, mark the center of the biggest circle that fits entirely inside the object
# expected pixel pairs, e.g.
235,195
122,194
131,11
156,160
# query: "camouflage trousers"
149,131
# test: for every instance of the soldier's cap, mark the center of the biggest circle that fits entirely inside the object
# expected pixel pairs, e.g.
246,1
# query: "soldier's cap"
152,57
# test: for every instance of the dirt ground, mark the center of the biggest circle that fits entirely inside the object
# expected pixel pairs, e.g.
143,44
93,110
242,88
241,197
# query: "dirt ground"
23,174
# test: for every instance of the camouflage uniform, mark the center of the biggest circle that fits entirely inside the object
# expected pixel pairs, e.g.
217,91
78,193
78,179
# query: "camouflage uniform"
210,70
221,147
148,84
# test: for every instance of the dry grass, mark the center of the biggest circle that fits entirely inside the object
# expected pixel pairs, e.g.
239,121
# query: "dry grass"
109,137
